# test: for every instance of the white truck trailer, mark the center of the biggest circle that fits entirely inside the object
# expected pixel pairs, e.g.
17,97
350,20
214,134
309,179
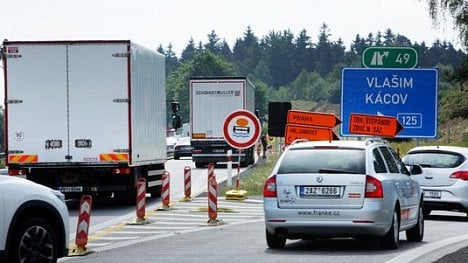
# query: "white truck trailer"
85,117
212,99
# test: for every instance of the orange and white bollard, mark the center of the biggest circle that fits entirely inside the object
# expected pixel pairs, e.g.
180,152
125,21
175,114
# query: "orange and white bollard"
82,228
212,201
187,183
165,191
141,200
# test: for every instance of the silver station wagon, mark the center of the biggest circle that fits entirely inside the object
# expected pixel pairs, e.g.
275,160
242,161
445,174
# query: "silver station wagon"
329,189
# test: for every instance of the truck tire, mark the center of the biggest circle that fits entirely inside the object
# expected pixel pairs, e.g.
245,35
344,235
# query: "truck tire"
199,164
126,198
155,191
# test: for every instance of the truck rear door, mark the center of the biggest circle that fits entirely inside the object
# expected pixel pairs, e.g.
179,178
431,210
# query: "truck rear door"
36,102
66,102
98,102
211,102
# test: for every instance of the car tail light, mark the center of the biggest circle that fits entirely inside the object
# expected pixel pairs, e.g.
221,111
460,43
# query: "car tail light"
373,188
17,172
269,189
121,171
463,175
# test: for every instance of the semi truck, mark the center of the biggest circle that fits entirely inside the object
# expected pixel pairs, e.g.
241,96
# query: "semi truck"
212,99
85,117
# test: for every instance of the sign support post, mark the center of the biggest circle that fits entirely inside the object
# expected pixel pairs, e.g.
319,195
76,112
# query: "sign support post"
241,130
229,168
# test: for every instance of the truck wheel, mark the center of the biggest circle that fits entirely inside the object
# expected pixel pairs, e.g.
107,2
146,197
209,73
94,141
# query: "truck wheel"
252,156
35,241
199,165
155,192
426,211
126,198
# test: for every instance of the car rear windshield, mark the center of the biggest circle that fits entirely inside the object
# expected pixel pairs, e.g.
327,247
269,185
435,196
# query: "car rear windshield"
313,160
435,159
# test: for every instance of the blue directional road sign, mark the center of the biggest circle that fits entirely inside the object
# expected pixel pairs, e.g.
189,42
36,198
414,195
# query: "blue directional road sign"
410,95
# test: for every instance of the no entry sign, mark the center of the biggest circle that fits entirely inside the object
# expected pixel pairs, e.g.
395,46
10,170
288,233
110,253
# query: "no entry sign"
241,129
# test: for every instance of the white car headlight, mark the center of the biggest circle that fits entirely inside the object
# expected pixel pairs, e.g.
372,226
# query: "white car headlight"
59,195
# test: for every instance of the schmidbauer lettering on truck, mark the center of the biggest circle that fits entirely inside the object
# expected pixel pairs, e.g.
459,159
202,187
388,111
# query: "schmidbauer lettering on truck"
219,93
394,82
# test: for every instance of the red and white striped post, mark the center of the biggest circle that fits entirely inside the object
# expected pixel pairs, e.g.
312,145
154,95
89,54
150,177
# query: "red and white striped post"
210,171
212,200
141,199
165,190
187,183
82,228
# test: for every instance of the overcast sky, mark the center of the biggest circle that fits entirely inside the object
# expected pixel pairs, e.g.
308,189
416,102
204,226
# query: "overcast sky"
154,22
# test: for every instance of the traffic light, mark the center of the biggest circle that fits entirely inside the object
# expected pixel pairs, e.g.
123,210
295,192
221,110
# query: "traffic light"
176,121
175,106
277,118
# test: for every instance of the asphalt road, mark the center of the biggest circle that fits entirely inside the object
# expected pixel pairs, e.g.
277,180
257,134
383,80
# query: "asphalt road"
459,256
245,243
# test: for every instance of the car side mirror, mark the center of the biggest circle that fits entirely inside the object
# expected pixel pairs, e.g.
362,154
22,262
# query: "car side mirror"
416,169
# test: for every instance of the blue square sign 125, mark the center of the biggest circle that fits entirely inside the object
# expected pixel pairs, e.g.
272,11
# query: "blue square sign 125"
410,95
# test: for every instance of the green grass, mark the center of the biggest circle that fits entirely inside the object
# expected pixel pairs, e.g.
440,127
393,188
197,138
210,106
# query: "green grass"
253,179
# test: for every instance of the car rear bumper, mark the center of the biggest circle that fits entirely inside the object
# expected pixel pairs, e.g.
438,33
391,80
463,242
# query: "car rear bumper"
453,198
182,154
370,220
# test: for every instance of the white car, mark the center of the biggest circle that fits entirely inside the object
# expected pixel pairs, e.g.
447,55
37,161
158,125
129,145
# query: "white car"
34,222
445,176
183,148
170,146
357,189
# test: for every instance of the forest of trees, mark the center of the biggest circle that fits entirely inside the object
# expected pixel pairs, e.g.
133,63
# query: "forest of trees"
288,67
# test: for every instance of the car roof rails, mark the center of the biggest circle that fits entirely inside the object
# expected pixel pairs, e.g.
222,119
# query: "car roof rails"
299,141
375,140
